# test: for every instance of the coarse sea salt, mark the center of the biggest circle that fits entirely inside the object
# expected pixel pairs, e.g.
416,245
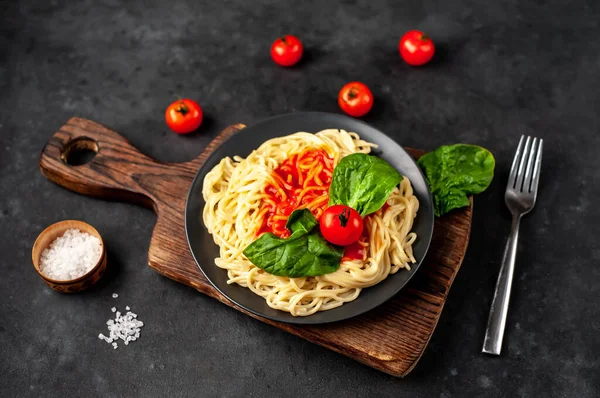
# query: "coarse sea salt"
124,327
71,255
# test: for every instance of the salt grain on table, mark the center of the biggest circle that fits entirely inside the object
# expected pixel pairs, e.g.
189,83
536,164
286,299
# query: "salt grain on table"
124,327
70,256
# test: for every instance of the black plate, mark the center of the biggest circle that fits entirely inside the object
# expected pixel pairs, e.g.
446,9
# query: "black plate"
205,250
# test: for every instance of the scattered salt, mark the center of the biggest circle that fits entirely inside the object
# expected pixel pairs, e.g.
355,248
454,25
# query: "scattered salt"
127,308
124,327
115,295
71,255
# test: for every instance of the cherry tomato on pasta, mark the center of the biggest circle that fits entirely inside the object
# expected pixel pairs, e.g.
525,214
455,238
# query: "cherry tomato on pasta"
416,48
355,99
184,116
287,50
341,225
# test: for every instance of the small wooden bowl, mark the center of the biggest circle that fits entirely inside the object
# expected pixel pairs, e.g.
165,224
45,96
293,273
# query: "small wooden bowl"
48,236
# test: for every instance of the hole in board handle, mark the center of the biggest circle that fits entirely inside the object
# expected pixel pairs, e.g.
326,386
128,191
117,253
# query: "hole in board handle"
79,151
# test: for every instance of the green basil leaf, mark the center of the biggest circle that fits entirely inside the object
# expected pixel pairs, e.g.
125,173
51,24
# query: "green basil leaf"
362,182
304,253
301,221
455,171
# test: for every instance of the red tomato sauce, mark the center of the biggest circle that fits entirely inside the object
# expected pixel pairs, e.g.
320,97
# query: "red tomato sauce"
354,251
302,181
358,251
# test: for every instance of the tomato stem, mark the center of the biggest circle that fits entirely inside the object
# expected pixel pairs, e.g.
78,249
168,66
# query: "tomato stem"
344,217
183,109
352,93
424,37
283,40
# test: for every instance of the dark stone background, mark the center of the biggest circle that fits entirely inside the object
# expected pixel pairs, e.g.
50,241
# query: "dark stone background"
503,69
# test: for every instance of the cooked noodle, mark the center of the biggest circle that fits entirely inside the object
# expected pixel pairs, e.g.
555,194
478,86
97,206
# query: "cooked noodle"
244,198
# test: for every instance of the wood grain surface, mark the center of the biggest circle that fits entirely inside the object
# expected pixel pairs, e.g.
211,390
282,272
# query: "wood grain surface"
390,338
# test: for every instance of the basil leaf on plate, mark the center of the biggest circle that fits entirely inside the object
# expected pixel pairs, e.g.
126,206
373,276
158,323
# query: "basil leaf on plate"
304,253
362,182
301,221
455,171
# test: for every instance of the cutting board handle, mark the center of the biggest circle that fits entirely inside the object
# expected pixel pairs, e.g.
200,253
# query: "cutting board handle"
118,170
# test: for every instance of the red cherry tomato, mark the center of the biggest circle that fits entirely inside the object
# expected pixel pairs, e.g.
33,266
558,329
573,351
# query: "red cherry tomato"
184,116
341,225
287,50
416,48
355,99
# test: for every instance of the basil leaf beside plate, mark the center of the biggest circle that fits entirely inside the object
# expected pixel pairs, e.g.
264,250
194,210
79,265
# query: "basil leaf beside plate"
455,171
362,182
304,253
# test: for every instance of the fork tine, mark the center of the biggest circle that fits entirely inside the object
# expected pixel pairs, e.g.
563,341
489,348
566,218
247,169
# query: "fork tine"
529,170
521,172
535,179
512,178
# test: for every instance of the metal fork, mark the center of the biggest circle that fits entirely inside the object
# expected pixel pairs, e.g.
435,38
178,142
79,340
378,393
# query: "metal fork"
520,196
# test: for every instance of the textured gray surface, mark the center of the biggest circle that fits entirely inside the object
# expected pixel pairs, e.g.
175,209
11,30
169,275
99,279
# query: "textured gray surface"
503,69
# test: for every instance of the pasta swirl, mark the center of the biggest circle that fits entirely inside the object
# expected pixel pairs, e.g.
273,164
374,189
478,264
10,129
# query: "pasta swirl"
244,198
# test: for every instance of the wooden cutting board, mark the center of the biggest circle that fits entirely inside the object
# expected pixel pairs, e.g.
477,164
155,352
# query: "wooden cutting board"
390,338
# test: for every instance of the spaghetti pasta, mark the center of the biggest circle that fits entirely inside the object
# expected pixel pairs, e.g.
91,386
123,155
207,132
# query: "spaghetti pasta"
247,197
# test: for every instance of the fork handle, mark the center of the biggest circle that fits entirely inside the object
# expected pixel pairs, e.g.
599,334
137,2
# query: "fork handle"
494,333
